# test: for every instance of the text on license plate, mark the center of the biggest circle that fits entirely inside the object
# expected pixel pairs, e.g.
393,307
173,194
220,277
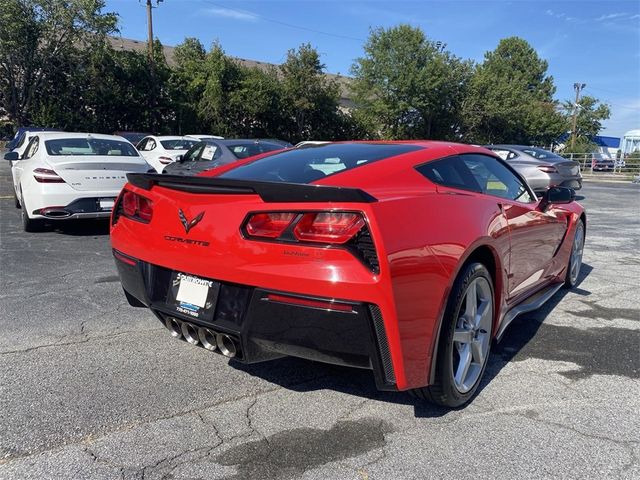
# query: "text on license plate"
193,290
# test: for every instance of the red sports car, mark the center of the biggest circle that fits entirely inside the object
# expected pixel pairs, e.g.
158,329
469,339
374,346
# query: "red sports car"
406,258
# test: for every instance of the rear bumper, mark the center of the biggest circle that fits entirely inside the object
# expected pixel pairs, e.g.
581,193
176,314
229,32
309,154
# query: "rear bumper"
266,326
81,208
543,184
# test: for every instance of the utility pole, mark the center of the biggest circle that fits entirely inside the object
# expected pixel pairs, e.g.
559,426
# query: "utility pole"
152,92
578,88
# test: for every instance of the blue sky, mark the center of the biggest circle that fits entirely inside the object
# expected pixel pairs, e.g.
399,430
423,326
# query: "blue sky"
593,42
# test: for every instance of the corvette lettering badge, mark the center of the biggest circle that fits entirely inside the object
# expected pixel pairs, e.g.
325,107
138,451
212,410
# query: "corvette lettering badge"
189,224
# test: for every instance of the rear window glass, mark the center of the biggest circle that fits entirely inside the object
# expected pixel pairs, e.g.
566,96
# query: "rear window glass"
541,154
313,163
246,150
89,146
179,144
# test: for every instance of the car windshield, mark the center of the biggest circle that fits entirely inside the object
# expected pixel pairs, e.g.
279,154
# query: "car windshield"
245,150
313,163
89,146
541,154
179,144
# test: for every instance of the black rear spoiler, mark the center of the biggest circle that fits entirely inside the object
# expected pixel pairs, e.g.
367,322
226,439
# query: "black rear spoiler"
268,191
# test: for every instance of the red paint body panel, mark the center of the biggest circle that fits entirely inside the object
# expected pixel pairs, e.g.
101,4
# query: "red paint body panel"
423,234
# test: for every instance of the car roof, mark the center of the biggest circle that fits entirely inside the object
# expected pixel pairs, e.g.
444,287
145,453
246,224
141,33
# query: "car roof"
172,137
60,135
514,147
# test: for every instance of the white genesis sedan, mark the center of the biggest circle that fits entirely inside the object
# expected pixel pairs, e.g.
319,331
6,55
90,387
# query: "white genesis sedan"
161,151
65,176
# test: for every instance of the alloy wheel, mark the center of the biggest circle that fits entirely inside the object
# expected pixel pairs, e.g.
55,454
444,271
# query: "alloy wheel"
472,336
576,254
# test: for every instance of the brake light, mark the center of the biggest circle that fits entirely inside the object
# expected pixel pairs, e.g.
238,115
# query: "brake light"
136,207
165,160
269,225
44,175
328,227
547,168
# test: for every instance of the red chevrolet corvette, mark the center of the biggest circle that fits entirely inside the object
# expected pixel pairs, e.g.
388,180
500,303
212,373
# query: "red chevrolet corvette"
406,258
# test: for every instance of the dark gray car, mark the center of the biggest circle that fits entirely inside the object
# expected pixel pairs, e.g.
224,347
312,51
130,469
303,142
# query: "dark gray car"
540,168
211,153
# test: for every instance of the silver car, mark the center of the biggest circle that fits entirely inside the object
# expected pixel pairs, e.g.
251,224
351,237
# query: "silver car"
540,168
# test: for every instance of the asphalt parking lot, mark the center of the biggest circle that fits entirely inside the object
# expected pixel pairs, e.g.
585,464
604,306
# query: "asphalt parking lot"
93,388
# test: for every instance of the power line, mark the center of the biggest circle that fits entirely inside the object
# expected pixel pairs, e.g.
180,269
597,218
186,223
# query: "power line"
279,22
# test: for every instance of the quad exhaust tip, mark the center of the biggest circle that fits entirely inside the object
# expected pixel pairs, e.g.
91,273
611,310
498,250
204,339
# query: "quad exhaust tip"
226,345
173,326
190,333
209,339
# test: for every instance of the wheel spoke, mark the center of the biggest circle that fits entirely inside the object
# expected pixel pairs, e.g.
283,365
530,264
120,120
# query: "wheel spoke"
477,351
462,336
463,366
484,312
472,302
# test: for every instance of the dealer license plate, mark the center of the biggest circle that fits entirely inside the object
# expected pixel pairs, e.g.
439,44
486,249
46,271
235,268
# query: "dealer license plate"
193,296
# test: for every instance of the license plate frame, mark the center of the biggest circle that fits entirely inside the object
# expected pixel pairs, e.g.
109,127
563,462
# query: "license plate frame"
193,296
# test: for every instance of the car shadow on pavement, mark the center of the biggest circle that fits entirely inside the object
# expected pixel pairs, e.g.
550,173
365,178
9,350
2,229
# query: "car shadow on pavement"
81,228
352,381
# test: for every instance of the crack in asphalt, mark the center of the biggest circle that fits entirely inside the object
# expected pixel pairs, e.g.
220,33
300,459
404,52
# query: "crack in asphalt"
89,439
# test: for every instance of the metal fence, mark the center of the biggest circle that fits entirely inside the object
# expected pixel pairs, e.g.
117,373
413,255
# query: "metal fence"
627,169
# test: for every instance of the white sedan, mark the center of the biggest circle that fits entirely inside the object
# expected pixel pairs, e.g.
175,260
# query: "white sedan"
161,151
71,175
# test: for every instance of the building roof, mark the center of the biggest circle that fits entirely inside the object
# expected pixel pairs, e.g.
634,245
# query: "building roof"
609,142
120,43
632,133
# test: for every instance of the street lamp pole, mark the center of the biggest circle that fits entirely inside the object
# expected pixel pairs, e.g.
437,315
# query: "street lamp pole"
578,88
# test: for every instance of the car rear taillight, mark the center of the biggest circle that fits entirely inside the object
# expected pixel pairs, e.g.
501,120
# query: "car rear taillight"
165,160
269,225
328,227
135,207
547,168
347,230
44,175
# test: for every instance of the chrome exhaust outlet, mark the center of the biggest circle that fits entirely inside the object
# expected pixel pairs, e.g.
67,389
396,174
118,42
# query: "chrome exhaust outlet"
207,339
226,345
190,333
173,326
55,213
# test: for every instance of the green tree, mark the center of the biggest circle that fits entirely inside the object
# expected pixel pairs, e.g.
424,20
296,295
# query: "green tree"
187,82
311,98
510,98
590,115
407,86
37,38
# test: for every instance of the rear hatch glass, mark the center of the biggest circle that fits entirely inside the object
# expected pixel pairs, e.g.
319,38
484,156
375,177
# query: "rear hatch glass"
312,163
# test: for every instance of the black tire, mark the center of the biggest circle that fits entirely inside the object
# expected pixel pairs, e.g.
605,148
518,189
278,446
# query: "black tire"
30,224
569,280
15,199
444,391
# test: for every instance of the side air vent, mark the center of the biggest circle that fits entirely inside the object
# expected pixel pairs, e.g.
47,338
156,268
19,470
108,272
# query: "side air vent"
363,246
383,344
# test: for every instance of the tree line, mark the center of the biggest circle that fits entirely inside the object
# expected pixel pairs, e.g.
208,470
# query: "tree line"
58,69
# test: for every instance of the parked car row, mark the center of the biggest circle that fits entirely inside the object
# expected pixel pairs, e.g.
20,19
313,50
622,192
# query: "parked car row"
60,175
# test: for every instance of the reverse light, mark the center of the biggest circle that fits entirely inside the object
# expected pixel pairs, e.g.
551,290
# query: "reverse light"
269,225
328,227
136,207
547,168
44,175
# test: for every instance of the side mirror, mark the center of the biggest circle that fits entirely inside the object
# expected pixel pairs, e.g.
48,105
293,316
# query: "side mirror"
12,156
557,196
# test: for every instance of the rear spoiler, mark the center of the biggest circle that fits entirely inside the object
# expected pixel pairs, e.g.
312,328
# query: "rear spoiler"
268,191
